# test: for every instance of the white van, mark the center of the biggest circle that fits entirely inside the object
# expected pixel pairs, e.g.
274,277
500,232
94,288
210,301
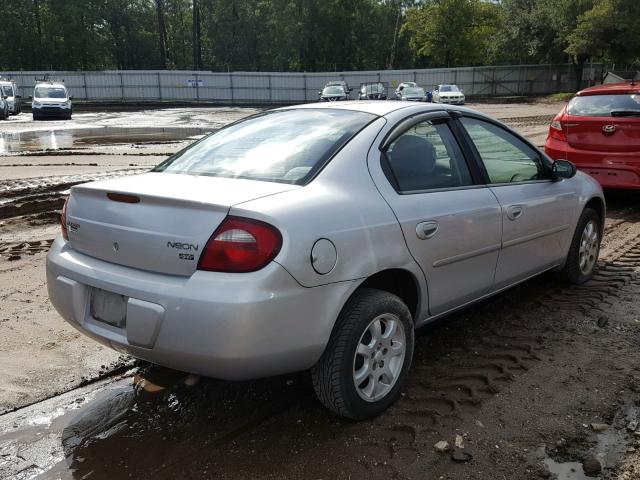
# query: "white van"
51,99
9,89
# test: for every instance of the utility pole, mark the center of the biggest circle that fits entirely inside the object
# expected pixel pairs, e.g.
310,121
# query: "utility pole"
197,39
162,34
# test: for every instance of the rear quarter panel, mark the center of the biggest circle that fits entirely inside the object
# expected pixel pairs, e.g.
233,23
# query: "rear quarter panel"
343,205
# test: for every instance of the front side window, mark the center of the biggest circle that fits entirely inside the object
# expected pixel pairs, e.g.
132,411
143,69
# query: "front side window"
50,92
427,157
506,158
286,146
8,91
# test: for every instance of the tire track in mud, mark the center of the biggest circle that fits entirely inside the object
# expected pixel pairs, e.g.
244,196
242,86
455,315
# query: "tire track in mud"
14,250
45,194
445,388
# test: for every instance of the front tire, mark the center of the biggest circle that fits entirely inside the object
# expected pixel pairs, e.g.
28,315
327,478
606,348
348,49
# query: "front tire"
580,265
368,356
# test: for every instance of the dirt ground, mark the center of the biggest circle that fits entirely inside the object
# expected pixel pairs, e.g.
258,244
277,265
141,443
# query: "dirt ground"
534,383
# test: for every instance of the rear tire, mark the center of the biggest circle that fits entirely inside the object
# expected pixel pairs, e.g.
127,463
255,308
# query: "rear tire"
580,265
366,361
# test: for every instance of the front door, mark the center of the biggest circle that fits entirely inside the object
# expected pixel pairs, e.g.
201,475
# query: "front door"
536,211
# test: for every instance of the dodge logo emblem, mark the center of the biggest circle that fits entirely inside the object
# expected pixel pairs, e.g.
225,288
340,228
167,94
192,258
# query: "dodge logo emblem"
609,129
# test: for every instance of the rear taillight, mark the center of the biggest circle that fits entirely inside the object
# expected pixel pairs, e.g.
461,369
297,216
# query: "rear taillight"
240,245
63,220
556,129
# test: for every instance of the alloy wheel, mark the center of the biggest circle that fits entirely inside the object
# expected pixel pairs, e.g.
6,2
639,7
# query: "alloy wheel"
379,357
588,250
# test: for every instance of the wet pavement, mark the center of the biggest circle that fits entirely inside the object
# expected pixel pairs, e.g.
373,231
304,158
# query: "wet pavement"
86,138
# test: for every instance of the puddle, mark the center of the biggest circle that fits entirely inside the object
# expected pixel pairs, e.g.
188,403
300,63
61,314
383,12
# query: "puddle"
114,429
611,446
41,140
566,470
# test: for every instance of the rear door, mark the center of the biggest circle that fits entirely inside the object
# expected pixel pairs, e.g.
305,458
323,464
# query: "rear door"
536,211
451,225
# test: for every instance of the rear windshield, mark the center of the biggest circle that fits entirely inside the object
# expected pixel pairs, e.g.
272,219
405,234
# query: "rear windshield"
287,146
603,105
373,88
414,91
333,90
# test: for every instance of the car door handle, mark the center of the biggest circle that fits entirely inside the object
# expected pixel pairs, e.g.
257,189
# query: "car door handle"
426,230
514,212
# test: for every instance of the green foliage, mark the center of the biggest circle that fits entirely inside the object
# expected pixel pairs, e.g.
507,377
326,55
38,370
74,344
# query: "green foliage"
453,32
609,31
308,35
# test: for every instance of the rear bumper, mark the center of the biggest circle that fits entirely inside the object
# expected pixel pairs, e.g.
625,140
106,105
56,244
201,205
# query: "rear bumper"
611,170
227,326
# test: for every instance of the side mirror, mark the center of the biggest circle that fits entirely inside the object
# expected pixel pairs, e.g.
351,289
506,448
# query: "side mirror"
563,169
70,97
18,96
30,97
319,94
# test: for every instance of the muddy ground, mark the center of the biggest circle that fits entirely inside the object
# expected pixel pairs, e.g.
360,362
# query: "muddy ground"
521,381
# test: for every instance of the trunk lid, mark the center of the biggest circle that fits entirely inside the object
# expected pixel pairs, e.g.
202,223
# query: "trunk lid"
606,134
167,229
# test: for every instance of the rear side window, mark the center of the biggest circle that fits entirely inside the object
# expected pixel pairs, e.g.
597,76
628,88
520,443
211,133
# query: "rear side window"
603,105
427,157
287,146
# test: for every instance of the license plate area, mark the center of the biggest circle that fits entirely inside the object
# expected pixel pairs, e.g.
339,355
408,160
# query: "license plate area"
108,307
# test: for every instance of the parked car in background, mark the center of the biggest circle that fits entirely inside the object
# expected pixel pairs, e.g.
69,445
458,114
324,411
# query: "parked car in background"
10,89
339,83
51,99
305,238
412,94
4,107
403,85
599,131
448,94
372,91
333,93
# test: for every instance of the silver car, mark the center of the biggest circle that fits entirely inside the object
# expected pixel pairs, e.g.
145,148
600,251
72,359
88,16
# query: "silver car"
318,237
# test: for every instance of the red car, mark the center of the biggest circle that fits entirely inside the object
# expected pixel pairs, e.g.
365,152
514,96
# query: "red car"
599,131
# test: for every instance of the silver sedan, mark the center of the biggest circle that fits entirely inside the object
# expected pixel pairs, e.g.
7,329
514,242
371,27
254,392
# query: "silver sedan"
319,237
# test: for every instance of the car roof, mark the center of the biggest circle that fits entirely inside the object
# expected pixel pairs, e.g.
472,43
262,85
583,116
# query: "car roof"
610,88
375,107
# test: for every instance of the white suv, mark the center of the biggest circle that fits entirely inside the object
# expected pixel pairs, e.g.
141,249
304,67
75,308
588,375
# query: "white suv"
51,99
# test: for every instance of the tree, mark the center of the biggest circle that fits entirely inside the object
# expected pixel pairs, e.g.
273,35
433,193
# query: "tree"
453,32
608,31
